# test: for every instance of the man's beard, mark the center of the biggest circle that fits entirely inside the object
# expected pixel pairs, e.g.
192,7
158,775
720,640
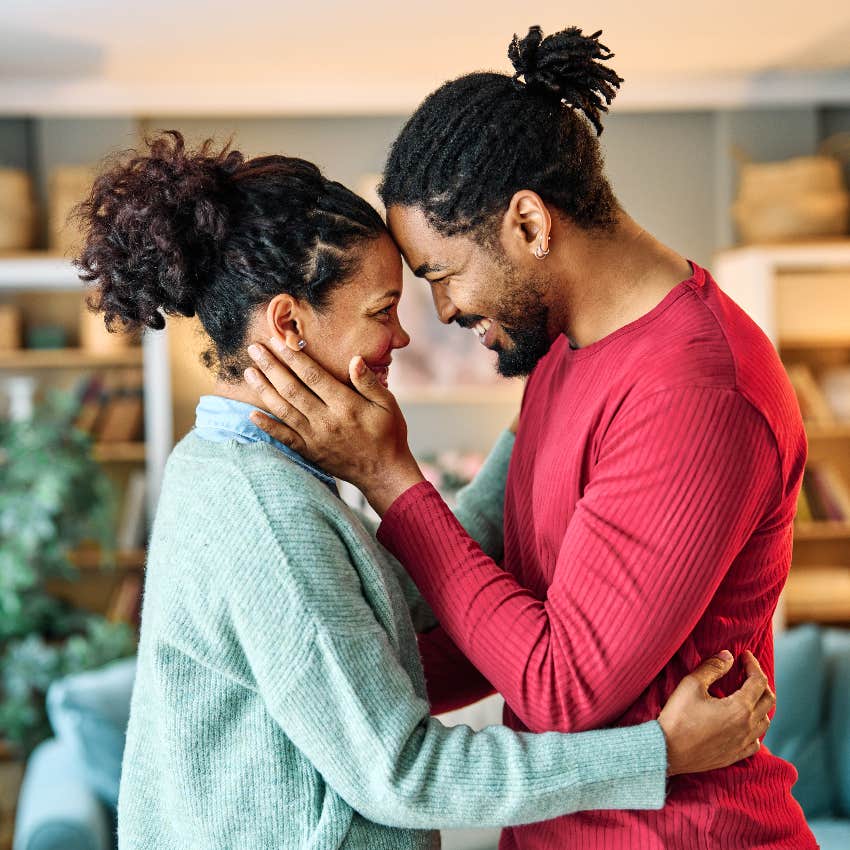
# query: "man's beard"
530,346
527,329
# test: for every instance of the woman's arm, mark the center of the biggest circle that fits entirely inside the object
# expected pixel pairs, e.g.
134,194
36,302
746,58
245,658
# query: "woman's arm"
481,504
331,678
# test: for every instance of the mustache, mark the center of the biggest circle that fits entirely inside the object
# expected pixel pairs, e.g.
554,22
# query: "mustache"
467,321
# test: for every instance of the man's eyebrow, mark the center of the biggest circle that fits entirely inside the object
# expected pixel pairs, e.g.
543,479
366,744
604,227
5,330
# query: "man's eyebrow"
428,268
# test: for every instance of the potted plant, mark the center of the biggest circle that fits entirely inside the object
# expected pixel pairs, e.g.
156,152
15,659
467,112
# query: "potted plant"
53,497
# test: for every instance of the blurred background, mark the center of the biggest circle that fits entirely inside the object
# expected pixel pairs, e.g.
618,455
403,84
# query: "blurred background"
730,141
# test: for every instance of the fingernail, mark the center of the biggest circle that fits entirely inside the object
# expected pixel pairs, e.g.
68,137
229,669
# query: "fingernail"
255,352
277,344
726,655
251,376
360,368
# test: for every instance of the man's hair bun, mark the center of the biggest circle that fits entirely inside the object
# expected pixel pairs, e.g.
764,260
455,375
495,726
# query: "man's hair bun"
567,66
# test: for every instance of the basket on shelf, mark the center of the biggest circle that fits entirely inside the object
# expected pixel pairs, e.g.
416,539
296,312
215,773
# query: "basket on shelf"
10,327
17,210
96,338
795,199
69,186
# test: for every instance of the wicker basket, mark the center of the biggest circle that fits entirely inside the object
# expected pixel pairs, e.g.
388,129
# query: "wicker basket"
69,185
800,198
10,327
96,338
17,210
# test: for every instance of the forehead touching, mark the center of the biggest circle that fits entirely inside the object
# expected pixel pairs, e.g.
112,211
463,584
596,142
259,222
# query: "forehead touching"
376,279
426,250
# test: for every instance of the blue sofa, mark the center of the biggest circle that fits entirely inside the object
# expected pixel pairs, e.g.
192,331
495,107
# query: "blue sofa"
70,787
811,728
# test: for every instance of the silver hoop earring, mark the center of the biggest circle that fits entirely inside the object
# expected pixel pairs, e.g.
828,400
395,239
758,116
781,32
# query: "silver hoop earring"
301,344
539,252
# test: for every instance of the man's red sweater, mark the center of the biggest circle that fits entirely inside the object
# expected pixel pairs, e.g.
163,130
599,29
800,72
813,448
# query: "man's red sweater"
648,521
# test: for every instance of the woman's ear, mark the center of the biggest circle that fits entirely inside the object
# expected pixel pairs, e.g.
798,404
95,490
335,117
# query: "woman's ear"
284,315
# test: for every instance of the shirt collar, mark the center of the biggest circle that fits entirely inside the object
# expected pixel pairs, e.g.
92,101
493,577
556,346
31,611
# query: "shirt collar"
219,419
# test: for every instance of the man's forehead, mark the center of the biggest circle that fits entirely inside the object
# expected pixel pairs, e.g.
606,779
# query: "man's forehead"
424,249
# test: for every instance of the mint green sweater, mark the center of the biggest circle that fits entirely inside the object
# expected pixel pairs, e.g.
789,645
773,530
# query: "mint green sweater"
280,700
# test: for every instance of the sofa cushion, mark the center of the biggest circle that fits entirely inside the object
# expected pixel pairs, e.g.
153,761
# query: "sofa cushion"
831,833
797,733
837,648
56,810
89,712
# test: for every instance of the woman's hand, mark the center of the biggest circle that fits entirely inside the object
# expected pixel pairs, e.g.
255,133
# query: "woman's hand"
705,733
360,436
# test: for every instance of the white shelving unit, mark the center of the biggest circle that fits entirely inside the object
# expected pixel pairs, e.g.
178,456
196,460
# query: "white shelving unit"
44,273
800,297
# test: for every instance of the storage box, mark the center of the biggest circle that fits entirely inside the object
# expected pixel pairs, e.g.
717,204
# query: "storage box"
10,327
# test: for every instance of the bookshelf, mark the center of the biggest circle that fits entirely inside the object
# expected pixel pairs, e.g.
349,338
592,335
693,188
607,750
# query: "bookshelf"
24,280
800,296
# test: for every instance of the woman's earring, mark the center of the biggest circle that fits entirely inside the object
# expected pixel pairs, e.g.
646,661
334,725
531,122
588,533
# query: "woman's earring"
301,344
539,252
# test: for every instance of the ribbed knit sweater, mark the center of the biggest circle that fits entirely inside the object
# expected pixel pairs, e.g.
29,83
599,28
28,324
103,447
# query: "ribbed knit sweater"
280,701
648,523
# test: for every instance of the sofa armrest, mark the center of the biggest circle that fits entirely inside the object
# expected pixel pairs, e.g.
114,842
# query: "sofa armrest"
56,810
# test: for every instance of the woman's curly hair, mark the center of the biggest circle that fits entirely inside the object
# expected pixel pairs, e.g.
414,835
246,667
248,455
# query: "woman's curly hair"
206,232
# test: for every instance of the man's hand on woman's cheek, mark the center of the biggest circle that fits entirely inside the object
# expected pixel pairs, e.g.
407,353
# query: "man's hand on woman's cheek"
355,434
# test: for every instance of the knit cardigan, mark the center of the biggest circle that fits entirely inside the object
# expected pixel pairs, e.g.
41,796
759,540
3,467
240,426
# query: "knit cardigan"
280,700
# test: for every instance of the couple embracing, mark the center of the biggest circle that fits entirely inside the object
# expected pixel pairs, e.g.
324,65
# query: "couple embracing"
621,551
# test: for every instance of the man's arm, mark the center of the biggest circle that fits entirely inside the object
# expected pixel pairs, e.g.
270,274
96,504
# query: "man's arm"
682,479
329,676
453,681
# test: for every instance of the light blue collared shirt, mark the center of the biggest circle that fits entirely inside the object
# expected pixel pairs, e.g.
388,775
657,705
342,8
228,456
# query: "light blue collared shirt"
220,419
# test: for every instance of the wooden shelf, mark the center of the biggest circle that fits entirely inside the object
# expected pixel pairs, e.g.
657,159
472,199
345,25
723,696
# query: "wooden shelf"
828,430
792,345
68,358
822,531
818,594
120,452
128,561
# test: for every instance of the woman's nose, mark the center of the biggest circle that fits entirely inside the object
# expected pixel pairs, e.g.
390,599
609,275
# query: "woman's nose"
401,338
446,310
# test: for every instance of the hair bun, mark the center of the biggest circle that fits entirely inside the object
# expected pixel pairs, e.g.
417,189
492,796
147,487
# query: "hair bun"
154,223
568,66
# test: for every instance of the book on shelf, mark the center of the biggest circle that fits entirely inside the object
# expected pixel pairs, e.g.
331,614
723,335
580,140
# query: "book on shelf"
111,406
125,604
824,496
132,528
813,403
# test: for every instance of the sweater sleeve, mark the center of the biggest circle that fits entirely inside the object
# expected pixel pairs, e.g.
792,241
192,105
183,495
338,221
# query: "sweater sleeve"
331,679
481,504
681,480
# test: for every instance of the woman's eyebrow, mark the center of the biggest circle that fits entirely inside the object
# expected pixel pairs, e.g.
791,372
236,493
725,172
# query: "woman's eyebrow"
392,293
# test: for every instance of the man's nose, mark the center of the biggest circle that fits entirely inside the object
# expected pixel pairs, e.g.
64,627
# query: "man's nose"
446,310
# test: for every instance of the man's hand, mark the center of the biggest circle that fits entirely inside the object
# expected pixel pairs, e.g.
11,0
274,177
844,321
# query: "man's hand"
360,436
705,733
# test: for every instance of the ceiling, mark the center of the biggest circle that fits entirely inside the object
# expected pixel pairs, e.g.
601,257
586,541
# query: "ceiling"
379,56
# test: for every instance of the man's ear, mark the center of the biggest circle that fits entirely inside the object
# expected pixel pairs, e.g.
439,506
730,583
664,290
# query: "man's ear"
284,315
527,223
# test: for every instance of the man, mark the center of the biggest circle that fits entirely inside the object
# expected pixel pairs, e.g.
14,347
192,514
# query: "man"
653,484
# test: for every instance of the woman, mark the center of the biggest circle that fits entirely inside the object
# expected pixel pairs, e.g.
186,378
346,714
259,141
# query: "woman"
280,698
